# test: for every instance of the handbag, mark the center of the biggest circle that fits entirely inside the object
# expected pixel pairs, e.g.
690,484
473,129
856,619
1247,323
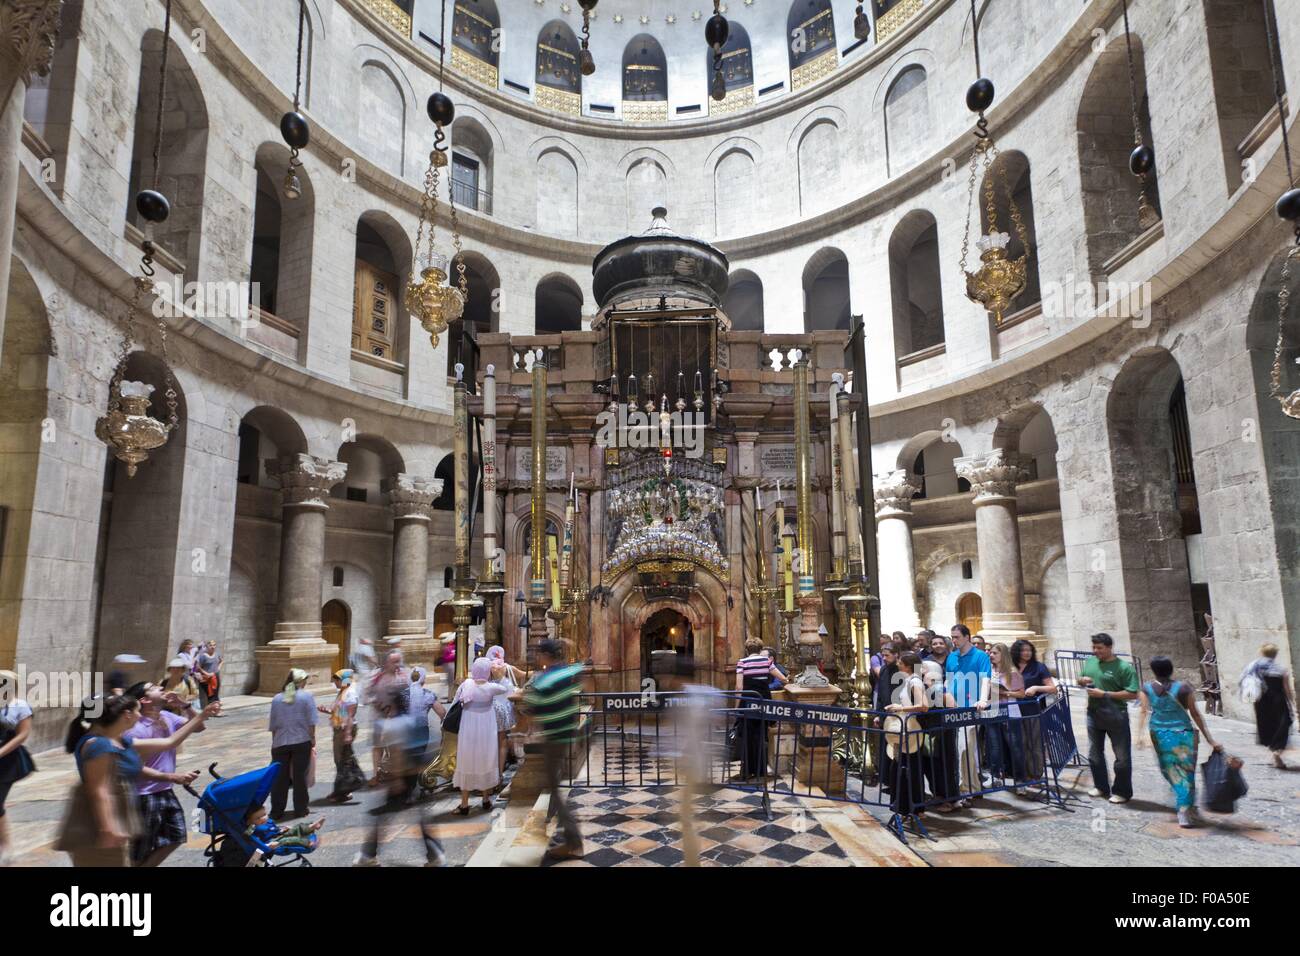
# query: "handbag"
17,765
451,723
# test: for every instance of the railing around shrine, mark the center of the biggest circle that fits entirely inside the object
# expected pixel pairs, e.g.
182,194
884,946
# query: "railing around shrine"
905,764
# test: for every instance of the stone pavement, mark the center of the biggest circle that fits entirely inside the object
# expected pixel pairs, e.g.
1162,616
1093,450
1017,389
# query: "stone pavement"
1008,830
240,742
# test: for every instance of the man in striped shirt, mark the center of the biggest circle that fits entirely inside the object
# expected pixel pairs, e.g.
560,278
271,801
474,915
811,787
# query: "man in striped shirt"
551,698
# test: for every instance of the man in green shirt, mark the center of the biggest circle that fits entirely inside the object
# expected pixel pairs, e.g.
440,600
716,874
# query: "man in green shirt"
1111,683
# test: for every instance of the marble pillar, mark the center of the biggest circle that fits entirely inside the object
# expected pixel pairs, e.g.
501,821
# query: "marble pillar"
411,499
305,483
993,479
893,494
28,29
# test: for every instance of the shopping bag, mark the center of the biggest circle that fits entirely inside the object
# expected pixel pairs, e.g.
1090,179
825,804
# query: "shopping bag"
1222,783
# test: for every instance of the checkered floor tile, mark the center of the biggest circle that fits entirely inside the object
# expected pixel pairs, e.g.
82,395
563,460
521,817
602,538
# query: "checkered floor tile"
642,827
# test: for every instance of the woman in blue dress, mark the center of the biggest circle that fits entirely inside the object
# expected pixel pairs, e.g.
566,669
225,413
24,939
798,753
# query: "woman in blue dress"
1170,707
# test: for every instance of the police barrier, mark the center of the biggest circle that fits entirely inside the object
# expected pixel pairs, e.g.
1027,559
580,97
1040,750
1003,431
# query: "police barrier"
1069,667
905,762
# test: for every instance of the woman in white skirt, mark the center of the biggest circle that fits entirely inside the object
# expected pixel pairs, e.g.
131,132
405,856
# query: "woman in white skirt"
508,677
476,741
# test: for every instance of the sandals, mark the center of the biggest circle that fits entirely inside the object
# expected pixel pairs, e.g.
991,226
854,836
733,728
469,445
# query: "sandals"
487,803
462,811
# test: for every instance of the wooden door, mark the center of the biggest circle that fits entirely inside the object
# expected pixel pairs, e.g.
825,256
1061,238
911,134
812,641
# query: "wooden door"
970,611
335,623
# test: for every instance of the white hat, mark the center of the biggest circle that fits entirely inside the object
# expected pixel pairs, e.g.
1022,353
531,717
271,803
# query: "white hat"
178,662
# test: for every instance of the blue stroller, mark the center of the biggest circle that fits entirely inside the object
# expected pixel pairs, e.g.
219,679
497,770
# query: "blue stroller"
225,803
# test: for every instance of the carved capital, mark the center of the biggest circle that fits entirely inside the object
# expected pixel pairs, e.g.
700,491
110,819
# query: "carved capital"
993,475
306,479
412,496
893,492
28,29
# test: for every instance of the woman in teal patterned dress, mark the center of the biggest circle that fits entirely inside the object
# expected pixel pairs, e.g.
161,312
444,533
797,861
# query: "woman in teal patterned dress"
1170,706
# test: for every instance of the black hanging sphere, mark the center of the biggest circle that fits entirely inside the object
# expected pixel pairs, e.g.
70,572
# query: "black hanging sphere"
152,205
1288,207
717,30
980,95
587,4
441,109
1142,160
295,130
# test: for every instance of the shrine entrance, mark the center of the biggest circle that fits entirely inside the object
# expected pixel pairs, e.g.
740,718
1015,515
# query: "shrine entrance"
667,649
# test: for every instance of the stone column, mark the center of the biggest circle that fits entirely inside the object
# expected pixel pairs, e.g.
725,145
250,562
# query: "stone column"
305,483
993,478
28,29
893,492
411,498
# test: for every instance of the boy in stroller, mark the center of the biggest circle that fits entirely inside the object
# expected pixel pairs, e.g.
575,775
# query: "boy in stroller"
270,836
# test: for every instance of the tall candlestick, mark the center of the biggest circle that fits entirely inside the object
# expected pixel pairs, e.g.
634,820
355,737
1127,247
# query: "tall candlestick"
537,586
489,472
837,504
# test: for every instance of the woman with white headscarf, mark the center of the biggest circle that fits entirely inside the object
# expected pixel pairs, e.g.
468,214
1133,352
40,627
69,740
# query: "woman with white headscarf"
508,677
293,742
476,740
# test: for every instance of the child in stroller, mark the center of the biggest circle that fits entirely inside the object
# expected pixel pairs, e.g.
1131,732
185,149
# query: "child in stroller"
235,822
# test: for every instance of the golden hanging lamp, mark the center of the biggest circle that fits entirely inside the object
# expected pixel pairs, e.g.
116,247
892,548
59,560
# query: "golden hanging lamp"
1000,279
428,296
127,428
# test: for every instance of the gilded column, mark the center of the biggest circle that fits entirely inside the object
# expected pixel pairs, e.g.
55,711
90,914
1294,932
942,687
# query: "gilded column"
462,600
810,602
28,29
894,491
993,479
305,483
538,602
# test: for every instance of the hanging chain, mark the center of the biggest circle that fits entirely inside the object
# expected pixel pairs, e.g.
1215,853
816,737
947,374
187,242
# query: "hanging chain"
1017,221
297,75
1284,294
162,92
1132,80
459,258
442,43
1273,55
975,32
971,191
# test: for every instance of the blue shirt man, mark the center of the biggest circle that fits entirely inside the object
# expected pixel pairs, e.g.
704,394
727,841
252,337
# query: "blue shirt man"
968,669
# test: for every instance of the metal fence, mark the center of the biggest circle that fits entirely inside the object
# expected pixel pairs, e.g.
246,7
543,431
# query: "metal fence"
906,764
1069,665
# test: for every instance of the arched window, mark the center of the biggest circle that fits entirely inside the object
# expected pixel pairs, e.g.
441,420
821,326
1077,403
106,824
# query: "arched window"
810,36
743,303
1111,193
471,165
737,72
1241,74
557,194
382,128
183,159
558,305
826,292
734,194
280,266
907,120
559,78
475,36
914,286
1012,172
371,460
645,81
480,314
647,189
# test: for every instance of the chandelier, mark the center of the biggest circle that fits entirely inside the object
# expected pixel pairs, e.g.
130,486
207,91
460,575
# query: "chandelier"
1288,208
1142,161
428,295
127,428
1000,279
294,127
586,62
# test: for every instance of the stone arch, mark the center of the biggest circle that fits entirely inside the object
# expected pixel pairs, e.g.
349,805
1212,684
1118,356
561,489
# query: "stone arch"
936,597
383,98
645,70
474,28
473,161
558,306
1028,429
819,166
908,118
935,474
383,256
182,173
266,432
809,31
1237,31
482,312
557,211
646,188
826,291
371,460
283,230
743,303
557,58
1011,172
1149,526
915,284
1104,123
734,192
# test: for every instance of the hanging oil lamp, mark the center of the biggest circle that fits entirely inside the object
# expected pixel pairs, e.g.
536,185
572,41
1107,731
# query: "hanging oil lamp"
1287,208
127,428
586,61
716,32
1000,279
294,127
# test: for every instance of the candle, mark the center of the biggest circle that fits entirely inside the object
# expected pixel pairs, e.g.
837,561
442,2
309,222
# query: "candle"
758,498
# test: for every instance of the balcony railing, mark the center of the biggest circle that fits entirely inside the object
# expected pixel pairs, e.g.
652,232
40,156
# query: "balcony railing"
469,196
